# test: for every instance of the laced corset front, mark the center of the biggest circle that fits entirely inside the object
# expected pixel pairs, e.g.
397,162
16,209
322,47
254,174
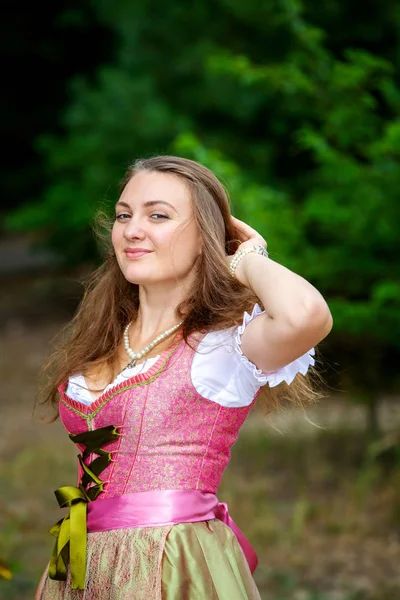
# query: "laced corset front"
170,436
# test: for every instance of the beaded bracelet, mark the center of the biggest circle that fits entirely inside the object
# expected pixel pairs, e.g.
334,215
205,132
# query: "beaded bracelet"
237,257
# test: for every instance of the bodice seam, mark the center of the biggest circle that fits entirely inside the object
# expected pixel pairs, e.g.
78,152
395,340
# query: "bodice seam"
208,446
138,442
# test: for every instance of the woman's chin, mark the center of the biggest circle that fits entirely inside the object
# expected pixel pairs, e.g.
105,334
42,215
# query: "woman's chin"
134,276
138,280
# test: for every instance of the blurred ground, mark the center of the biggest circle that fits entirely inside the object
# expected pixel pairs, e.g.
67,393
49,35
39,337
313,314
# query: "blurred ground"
324,520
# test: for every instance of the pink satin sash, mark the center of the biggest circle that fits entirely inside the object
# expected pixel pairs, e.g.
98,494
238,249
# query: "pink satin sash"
164,507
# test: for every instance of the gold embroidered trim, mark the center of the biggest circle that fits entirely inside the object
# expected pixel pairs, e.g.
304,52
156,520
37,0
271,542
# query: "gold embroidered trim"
91,415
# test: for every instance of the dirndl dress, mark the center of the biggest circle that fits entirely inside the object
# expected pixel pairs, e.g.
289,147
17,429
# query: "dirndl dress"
151,436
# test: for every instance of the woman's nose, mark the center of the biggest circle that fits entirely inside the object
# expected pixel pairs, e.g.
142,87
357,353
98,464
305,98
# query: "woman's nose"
134,229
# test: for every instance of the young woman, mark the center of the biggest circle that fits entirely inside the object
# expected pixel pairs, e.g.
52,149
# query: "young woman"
161,368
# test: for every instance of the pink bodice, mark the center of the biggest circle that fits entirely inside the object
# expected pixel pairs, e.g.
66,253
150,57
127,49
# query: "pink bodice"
171,438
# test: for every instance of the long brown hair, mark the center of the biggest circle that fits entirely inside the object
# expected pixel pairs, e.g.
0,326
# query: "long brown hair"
218,302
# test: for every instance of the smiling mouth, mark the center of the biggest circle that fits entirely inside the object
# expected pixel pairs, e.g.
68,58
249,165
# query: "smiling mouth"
136,254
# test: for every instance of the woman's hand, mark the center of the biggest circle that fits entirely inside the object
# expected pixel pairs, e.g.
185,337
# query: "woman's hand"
248,237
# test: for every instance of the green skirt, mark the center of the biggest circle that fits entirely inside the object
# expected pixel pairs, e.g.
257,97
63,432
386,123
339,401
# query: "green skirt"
188,561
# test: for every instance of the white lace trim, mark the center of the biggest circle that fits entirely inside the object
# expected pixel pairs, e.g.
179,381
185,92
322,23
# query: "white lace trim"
286,373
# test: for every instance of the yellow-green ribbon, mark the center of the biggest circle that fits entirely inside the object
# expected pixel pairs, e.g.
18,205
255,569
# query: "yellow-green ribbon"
70,532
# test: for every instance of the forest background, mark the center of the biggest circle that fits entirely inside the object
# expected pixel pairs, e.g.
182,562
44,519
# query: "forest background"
295,105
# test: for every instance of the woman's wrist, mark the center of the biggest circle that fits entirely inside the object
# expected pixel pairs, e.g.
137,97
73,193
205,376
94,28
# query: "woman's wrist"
248,266
241,253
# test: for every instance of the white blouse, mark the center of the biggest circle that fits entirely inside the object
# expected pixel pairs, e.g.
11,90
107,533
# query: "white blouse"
220,372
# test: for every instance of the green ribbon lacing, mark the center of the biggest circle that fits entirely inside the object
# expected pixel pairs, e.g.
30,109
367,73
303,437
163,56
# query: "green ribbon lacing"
70,532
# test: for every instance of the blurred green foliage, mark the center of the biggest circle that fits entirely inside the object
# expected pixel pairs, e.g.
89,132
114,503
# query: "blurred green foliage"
294,104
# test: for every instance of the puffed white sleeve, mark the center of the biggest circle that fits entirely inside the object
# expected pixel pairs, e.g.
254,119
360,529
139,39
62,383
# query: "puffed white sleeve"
273,378
222,373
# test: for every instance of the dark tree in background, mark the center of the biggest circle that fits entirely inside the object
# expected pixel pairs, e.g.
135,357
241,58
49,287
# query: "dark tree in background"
44,47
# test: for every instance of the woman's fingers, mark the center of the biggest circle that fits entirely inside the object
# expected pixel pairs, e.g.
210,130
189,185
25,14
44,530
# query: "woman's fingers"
245,232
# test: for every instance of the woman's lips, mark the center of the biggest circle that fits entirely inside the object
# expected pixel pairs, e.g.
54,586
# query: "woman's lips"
136,253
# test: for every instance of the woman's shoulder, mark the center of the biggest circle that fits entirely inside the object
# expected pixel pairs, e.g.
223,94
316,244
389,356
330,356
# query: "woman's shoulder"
218,372
228,335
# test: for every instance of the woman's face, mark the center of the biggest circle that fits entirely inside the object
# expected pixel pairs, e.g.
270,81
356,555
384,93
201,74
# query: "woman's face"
154,213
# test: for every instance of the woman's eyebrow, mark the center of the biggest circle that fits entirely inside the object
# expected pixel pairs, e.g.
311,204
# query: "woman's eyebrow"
148,203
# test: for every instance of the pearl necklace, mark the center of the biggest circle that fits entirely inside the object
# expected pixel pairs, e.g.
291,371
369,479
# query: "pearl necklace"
136,355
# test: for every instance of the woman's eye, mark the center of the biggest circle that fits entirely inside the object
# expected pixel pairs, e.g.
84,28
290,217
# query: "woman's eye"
123,216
